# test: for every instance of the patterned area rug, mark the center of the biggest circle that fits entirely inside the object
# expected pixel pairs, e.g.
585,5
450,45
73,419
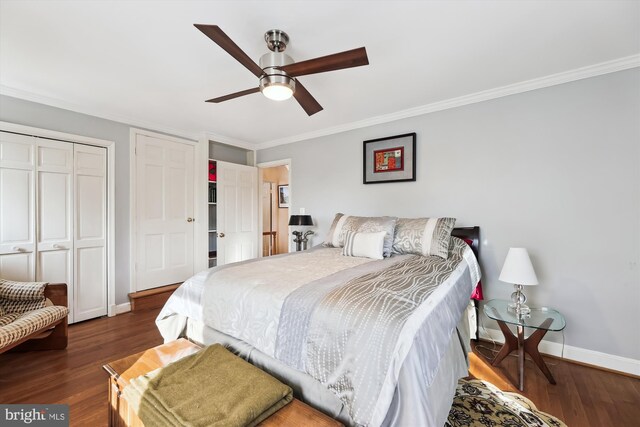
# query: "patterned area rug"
480,403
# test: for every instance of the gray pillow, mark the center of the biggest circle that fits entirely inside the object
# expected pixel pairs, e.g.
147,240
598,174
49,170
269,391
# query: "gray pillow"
423,236
331,240
361,224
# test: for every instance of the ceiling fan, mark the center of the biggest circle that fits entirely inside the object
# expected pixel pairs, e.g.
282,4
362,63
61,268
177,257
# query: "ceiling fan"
278,72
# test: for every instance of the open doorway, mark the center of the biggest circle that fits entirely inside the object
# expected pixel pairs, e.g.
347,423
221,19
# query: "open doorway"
275,209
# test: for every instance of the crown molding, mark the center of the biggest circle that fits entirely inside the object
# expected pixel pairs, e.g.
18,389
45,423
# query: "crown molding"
607,67
211,136
108,115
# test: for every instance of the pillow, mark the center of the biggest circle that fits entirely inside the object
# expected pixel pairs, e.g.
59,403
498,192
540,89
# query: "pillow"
334,231
368,245
23,306
423,236
343,223
22,291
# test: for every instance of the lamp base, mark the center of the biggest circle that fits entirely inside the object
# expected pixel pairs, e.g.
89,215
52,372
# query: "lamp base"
519,309
297,240
518,300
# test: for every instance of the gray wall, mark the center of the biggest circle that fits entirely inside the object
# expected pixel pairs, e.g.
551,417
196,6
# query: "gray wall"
28,113
229,153
556,170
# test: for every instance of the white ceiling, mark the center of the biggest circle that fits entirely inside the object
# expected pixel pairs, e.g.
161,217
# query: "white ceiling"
143,62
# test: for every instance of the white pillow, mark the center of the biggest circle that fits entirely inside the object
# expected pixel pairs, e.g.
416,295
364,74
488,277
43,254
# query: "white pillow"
366,224
368,245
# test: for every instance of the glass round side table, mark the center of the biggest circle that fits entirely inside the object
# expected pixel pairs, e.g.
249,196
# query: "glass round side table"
541,319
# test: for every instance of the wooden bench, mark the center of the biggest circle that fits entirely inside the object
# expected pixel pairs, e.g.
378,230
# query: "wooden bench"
122,371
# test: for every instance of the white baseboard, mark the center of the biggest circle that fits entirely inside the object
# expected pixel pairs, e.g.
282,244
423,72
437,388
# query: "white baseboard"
114,310
582,355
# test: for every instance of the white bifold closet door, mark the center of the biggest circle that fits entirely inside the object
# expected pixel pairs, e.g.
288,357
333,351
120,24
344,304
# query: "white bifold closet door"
17,207
53,218
90,232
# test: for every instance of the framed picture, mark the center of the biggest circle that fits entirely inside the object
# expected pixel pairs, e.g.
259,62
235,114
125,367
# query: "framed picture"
283,196
390,159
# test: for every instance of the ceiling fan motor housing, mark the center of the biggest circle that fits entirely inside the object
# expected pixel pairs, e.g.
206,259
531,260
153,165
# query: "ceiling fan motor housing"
273,75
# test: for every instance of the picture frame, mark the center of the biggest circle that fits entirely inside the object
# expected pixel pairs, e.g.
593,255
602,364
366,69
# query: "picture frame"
389,159
283,196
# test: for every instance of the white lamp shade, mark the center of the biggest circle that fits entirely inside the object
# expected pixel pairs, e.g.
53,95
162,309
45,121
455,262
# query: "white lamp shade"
517,268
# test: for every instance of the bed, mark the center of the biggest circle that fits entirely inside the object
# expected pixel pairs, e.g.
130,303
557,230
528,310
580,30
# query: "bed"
366,341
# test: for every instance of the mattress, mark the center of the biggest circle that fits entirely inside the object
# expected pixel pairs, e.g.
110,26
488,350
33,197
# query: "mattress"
372,339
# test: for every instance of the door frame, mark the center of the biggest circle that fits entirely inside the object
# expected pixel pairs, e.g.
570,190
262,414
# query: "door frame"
198,205
201,238
111,192
272,164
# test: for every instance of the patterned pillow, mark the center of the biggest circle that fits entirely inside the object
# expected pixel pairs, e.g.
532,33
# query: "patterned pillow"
2,311
24,306
423,236
368,245
344,223
21,291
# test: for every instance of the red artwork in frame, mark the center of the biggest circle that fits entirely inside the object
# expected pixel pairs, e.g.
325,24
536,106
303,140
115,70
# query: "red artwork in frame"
388,160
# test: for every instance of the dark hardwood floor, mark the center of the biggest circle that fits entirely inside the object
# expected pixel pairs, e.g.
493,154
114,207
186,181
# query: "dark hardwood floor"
75,375
583,396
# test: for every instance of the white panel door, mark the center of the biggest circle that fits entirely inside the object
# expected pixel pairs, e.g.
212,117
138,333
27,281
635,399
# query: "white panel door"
90,232
237,212
17,207
54,188
164,208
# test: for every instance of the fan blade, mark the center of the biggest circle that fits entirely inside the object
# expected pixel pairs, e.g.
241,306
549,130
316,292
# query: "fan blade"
234,95
306,101
337,61
221,39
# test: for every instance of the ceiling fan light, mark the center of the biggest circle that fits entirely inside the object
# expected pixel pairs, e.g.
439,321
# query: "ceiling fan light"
277,91
276,85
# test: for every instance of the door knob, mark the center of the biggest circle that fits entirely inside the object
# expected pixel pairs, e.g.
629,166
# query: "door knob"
57,246
190,219
17,249
220,234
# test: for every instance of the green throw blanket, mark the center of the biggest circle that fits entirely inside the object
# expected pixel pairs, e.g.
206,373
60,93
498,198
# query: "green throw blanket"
210,388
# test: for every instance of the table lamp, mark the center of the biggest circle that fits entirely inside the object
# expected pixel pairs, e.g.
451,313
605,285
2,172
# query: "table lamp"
300,239
517,269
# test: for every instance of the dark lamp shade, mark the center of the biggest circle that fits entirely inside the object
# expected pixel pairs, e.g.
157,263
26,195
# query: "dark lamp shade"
300,220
